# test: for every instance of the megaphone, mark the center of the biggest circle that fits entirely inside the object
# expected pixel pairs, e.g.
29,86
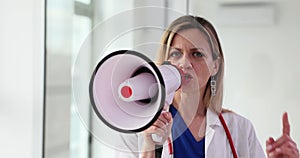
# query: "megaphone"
128,91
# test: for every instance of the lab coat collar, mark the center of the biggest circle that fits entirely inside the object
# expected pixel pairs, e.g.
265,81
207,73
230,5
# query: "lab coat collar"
212,118
212,121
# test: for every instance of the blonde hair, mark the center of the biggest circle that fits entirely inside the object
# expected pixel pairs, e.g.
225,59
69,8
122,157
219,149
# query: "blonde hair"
190,22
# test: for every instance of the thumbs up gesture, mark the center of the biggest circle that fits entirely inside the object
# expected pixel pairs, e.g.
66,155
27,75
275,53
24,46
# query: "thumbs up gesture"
284,146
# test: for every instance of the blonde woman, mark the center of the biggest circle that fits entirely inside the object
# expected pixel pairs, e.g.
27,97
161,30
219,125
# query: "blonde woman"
191,44
196,124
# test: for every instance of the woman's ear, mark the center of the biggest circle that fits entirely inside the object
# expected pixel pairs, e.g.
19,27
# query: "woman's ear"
215,68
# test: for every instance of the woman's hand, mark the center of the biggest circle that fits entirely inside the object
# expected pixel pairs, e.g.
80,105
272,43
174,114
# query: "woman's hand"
283,147
161,127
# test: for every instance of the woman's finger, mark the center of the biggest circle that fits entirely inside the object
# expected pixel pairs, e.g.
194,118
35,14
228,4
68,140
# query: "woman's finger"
285,124
269,145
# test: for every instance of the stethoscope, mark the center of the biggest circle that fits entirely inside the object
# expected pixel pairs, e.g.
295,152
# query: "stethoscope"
170,147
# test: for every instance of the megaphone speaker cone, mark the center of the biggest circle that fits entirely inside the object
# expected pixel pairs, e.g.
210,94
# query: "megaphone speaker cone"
108,96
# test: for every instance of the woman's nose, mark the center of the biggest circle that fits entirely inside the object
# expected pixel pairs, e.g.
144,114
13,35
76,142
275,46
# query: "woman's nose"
184,63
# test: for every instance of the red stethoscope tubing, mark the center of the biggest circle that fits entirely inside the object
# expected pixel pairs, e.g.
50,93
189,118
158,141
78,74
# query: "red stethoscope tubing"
227,134
170,146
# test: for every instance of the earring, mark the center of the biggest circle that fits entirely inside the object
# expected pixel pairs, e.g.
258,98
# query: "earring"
213,86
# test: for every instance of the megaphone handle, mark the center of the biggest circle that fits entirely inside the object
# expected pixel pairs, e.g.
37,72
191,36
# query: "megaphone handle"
155,137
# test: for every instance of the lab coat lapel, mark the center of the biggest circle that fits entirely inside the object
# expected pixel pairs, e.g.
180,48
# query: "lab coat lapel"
212,121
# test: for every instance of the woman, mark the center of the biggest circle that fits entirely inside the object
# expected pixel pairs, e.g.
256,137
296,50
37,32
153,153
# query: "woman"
196,124
191,44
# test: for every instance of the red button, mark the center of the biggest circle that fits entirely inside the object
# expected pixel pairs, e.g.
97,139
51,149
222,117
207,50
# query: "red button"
126,91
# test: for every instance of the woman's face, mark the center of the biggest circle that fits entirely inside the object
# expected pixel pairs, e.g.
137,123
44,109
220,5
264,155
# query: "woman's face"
191,52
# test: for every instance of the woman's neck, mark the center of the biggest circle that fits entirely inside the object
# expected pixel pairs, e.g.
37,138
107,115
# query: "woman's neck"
189,105
193,112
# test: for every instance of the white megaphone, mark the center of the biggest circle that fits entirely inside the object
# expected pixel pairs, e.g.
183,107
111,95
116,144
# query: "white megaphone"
128,91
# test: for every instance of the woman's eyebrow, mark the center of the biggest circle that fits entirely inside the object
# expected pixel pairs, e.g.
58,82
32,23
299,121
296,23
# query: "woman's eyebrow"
176,49
192,49
197,48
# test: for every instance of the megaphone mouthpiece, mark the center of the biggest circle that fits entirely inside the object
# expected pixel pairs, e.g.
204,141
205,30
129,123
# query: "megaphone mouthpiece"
140,87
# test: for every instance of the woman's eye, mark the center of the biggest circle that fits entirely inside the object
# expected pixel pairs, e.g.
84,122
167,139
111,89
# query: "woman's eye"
198,54
175,54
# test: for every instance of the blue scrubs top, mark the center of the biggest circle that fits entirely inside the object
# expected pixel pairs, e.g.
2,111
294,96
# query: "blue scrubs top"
184,143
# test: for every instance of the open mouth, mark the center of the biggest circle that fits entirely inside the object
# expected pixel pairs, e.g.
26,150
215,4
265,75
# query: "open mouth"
186,77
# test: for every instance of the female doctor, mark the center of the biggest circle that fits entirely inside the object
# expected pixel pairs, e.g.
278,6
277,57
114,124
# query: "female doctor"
196,125
192,45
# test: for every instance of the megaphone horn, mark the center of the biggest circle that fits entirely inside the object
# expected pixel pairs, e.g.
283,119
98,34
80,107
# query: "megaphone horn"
128,91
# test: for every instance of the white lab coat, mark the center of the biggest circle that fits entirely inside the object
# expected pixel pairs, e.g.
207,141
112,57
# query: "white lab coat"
216,142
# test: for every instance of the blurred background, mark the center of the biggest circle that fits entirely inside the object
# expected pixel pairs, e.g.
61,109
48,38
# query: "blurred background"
47,46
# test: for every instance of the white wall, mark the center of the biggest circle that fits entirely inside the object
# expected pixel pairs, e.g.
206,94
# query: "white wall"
20,69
